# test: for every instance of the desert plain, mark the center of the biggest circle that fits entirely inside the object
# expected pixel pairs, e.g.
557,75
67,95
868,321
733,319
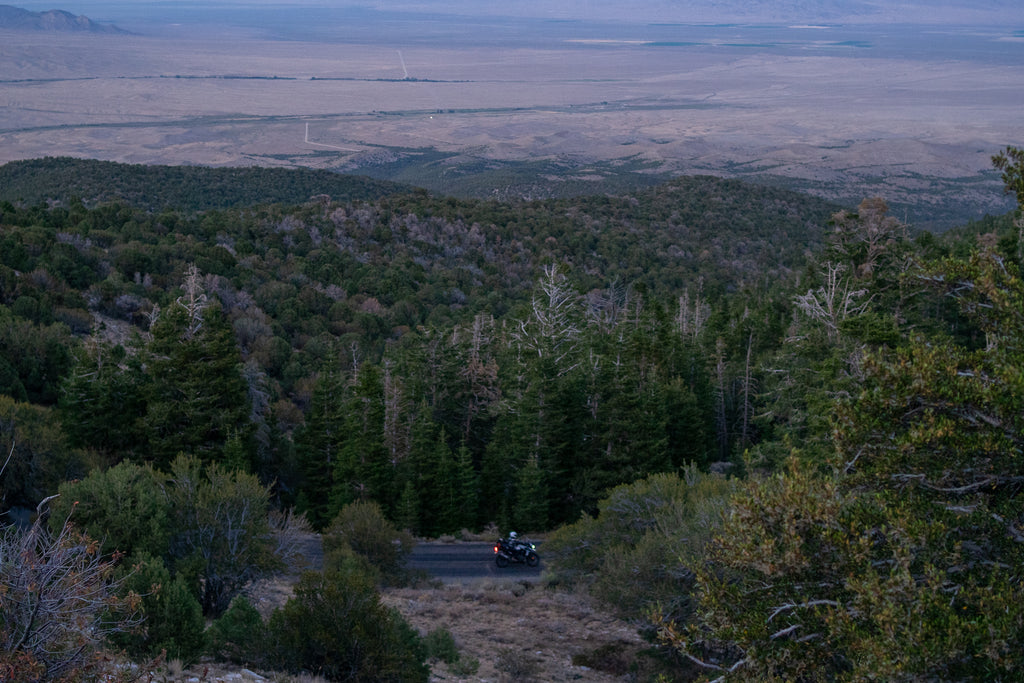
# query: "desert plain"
812,108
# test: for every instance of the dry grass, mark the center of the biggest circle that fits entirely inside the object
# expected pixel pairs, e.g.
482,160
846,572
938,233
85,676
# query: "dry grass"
505,630
517,630
205,672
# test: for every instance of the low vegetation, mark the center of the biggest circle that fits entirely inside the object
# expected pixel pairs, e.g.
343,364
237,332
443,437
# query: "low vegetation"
638,553
361,534
784,444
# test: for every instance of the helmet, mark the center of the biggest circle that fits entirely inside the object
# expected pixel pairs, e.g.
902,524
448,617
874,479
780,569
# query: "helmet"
512,535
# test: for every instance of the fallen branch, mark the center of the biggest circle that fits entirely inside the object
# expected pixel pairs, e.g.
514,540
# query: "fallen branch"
731,669
967,509
1017,536
9,456
701,663
784,632
793,605
849,465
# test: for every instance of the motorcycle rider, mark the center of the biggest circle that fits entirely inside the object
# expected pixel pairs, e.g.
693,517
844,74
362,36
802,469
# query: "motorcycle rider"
515,550
514,542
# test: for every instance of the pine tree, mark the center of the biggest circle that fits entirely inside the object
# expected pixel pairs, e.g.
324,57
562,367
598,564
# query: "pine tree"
531,510
317,445
898,562
444,514
363,470
467,494
198,396
102,401
407,516
497,486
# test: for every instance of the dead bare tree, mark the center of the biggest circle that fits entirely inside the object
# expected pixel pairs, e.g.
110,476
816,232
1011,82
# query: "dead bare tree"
748,387
692,316
866,237
480,373
194,301
396,417
833,302
58,602
551,329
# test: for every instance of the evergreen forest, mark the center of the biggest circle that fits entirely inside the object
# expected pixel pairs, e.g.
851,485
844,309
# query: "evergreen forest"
783,435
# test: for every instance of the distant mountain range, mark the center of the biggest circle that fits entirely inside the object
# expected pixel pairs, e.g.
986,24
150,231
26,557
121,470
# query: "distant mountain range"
18,19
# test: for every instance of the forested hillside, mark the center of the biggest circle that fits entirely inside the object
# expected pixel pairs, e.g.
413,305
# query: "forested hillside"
458,363
181,188
456,321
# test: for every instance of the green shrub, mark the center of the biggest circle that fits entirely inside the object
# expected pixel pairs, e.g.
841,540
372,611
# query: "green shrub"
239,635
631,662
172,618
222,534
639,549
337,627
38,456
464,666
362,527
611,658
178,625
142,577
516,666
125,507
440,644
345,560
632,578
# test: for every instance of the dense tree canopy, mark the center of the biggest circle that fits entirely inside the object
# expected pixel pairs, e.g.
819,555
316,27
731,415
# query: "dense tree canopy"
896,555
900,562
447,364
532,353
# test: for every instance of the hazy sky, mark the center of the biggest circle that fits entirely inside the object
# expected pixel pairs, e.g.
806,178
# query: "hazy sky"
991,12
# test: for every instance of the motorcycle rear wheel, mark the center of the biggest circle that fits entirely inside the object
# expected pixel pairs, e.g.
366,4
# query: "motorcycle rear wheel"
501,561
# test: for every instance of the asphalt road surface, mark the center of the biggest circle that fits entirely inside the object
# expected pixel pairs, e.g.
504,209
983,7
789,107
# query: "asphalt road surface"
463,562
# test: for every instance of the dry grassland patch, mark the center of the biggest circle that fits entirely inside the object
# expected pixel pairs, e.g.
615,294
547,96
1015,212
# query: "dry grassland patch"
513,631
519,631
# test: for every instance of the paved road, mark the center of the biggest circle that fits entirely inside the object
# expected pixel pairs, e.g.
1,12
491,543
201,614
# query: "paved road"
463,562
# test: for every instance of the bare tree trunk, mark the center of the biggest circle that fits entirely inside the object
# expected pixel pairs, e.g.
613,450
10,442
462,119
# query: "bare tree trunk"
721,413
194,301
396,434
747,407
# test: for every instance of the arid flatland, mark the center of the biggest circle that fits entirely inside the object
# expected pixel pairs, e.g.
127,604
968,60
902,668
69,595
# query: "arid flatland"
818,115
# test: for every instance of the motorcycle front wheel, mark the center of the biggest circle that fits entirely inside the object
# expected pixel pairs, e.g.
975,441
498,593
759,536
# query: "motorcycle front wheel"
532,560
501,561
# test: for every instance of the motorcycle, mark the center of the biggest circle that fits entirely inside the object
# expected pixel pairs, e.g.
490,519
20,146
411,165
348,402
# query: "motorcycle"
507,551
